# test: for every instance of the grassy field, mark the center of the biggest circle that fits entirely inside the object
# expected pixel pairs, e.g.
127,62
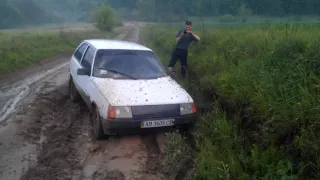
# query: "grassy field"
229,21
263,87
23,47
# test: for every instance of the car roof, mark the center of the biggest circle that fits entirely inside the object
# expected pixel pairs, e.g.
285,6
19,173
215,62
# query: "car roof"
115,44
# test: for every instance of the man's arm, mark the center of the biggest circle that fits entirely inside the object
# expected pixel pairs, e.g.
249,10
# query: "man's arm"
195,36
179,35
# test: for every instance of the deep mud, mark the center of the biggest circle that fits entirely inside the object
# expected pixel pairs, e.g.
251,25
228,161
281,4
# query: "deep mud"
50,138
61,130
55,126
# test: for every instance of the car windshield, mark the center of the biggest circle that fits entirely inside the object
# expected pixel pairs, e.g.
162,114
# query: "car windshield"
127,64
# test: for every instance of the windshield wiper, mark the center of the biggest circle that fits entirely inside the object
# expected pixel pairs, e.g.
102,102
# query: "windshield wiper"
115,71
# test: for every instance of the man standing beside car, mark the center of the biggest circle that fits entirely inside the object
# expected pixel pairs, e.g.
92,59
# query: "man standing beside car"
183,38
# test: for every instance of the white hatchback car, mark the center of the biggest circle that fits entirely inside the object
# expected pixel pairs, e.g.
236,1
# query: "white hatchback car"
127,88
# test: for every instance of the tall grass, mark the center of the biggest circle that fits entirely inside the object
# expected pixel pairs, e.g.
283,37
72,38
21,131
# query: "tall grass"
266,84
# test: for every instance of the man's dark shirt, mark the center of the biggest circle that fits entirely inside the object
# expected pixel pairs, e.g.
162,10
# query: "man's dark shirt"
185,40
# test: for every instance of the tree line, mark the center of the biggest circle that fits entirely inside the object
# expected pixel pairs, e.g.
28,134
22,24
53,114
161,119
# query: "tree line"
28,12
168,9
15,13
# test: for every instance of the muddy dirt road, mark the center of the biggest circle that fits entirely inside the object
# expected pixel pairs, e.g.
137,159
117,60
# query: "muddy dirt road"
44,136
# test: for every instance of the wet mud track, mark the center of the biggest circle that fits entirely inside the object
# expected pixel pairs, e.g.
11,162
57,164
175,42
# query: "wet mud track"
50,138
61,130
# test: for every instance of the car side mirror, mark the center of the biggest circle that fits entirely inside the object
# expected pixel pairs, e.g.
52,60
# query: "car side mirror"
82,72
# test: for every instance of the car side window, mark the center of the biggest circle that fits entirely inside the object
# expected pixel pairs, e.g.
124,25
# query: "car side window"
80,51
88,59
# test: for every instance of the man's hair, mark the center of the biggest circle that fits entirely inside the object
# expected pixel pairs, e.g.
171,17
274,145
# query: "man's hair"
188,23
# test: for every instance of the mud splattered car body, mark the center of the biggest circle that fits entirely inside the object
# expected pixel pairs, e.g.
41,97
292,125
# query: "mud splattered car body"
127,88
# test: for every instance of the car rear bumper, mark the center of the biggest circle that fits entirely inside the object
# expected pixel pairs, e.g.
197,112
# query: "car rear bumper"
125,126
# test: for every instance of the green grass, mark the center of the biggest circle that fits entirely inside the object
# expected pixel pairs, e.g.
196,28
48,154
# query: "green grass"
21,48
265,85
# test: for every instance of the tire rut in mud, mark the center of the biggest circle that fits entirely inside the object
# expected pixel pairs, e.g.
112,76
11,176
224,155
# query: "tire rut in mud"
57,122
153,153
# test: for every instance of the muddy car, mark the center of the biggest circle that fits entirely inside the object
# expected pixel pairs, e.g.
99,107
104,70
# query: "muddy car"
127,89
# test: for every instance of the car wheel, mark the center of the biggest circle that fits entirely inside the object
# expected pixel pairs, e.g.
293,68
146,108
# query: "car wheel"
187,128
187,132
96,123
73,92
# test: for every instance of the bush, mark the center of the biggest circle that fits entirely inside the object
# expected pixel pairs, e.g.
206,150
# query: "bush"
104,18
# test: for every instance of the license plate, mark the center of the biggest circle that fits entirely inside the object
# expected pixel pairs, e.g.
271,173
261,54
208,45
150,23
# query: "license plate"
157,123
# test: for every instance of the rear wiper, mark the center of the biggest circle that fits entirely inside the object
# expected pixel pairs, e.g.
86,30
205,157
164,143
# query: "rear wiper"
115,71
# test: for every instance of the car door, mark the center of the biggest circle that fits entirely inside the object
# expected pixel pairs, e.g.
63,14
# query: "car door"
84,80
75,64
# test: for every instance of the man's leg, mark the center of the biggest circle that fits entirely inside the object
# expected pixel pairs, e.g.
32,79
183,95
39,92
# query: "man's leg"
173,60
183,62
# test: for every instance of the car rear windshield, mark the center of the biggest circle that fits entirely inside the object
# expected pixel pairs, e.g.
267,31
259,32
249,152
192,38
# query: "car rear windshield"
127,64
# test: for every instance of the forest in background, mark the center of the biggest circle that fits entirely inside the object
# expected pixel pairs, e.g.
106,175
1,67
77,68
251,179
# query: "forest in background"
17,13
171,10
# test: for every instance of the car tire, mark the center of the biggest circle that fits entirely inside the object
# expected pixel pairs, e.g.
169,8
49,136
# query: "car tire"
96,124
187,131
73,92
187,128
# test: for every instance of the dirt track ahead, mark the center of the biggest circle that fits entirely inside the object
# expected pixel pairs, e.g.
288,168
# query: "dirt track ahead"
49,136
